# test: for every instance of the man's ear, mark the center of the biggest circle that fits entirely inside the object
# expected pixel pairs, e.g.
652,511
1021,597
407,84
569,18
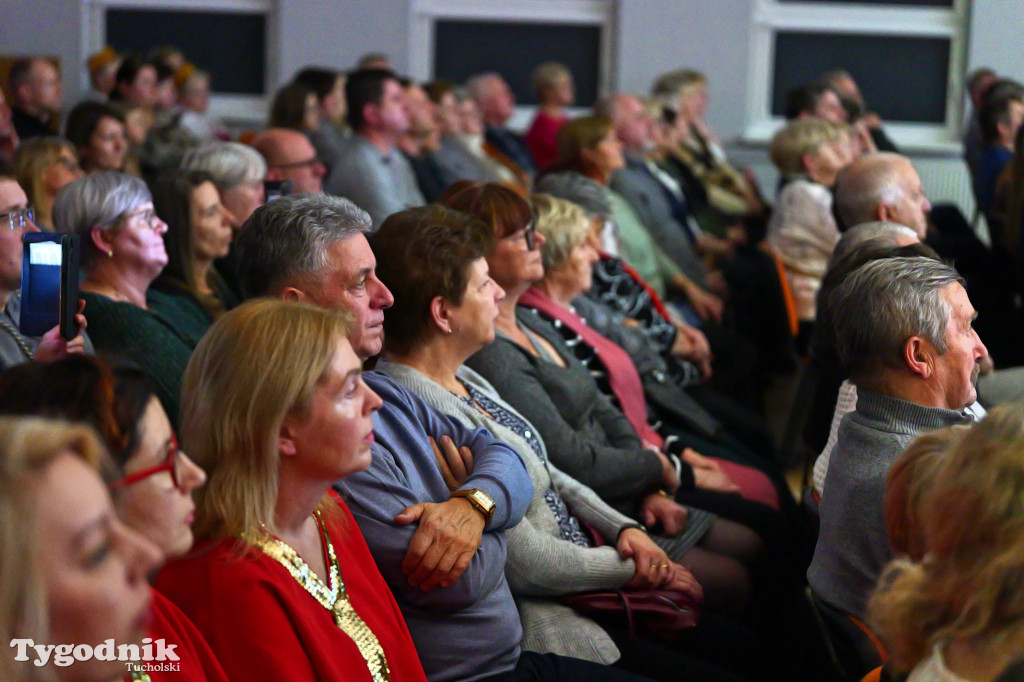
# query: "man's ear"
274,173
293,294
886,213
919,355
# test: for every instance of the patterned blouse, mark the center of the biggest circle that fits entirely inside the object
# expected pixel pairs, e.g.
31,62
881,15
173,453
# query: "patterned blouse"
568,525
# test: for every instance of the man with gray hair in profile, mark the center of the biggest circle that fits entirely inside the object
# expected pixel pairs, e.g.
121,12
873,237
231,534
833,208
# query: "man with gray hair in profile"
904,331
881,186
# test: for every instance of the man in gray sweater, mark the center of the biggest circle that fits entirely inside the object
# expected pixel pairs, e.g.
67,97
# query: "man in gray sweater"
904,331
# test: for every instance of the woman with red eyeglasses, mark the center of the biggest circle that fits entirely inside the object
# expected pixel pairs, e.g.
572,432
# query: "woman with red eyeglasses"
153,480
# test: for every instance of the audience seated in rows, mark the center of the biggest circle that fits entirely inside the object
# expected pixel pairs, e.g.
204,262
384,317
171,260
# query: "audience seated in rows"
442,316
282,249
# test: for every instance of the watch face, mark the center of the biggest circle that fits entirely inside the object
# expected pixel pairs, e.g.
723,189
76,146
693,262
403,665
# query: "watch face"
482,498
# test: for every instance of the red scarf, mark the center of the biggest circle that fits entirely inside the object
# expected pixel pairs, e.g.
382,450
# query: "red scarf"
622,374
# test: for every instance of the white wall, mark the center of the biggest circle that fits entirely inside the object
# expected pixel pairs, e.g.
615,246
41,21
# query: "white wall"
995,37
337,32
656,36
49,28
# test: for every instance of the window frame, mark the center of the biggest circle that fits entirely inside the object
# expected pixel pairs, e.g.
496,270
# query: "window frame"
241,109
774,16
424,15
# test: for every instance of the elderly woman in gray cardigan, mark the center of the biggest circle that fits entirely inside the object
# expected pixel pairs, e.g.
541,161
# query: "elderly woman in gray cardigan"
445,303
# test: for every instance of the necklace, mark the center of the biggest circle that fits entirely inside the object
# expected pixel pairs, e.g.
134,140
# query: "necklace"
332,597
18,338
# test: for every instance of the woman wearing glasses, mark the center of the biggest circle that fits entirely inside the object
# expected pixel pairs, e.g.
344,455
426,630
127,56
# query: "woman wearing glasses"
122,253
154,480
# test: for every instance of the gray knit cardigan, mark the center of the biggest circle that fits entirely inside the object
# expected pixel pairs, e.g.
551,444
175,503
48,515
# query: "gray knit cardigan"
541,565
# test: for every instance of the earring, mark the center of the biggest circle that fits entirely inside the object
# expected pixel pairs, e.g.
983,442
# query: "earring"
448,330
110,253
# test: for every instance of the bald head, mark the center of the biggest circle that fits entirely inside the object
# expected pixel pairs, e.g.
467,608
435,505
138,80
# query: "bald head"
631,121
882,186
494,97
290,156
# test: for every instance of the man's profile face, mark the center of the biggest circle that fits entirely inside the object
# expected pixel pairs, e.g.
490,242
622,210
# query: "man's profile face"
394,110
351,283
300,165
956,370
913,206
830,108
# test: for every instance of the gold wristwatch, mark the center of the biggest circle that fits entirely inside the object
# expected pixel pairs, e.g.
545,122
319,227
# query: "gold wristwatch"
480,500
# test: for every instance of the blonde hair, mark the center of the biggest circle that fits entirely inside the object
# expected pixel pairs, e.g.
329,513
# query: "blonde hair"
34,156
547,74
564,226
670,88
907,486
800,137
28,445
971,583
258,364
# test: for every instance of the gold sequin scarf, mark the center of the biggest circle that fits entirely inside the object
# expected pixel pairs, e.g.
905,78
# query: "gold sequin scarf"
334,599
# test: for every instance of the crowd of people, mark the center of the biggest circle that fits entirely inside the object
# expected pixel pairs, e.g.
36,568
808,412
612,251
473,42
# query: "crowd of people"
389,391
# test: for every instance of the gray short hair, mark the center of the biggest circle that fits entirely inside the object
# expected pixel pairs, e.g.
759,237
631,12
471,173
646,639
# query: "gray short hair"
882,304
229,163
97,200
580,190
287,239
881,232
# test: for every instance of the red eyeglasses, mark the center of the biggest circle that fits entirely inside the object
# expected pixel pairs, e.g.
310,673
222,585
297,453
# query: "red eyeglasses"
174,463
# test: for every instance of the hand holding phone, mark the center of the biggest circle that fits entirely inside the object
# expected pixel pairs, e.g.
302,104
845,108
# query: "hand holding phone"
49,284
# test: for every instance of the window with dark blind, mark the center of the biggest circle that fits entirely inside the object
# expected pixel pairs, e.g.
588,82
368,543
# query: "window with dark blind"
231,45
465,48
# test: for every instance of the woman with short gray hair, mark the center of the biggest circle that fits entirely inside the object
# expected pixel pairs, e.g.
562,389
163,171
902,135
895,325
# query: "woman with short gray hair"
237,170
122,253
